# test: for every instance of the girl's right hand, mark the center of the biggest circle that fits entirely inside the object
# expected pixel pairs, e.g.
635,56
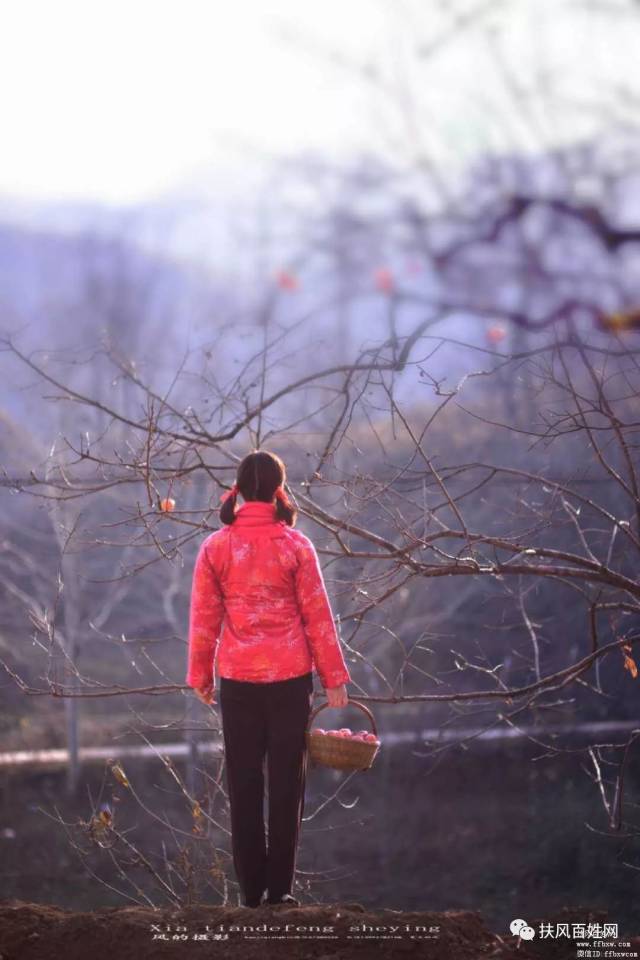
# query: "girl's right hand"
337,696
206,694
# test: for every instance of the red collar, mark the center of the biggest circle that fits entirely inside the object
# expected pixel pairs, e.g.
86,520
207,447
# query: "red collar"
255,513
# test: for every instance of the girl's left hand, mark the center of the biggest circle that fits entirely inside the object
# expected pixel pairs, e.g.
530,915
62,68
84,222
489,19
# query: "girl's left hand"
206,694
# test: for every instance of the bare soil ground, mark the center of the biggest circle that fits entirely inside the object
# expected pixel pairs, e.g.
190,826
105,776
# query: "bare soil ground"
30,931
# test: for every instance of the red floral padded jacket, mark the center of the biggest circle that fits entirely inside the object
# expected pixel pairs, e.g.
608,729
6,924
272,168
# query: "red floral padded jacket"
259,601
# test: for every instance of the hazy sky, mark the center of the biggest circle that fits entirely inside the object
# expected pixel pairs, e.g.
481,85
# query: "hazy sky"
120,100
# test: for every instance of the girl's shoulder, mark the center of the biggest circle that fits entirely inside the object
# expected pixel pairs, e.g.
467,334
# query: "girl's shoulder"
215,539
290,535
298,539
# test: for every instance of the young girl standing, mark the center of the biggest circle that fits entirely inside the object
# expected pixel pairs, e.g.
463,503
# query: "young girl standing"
259,601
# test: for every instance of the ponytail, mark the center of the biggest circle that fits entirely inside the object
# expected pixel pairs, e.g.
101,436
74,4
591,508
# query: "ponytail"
228,508
285,510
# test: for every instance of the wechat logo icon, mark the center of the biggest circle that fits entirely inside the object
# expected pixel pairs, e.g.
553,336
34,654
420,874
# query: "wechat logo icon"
522,929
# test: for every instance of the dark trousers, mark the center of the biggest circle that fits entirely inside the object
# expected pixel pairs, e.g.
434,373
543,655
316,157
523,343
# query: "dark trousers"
264,726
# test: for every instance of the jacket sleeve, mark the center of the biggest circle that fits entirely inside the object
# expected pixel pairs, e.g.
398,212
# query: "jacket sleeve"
315,610
205,621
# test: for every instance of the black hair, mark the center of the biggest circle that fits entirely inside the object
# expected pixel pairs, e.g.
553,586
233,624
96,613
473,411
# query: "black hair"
258,476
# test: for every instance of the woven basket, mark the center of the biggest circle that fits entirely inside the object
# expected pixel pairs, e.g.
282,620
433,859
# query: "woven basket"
341,753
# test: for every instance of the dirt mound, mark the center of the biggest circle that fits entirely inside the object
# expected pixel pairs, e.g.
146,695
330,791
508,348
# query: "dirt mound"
30,931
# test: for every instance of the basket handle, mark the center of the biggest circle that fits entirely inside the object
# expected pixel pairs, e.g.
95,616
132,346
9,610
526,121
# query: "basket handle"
356,703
